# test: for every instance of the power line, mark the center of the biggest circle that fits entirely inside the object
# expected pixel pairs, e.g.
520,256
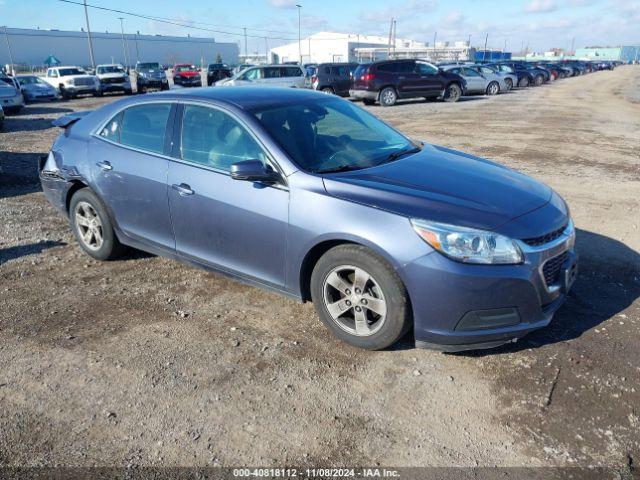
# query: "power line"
171,22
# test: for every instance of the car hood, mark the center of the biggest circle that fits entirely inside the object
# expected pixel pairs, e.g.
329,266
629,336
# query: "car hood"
35,87
444,185
112,75
188,74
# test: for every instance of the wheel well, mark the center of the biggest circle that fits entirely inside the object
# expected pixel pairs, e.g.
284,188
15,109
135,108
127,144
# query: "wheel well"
387,86
310,261
76,185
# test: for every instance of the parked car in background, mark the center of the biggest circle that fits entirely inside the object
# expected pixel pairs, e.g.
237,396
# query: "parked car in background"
525,77
540,75
509,79
333,78
389,80
186,75
268,76
484,83
34,89
313,197
238,68
114,78
72,81
217,72
150,75
11,98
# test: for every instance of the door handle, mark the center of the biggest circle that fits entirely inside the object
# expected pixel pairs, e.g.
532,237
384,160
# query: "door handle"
105,165
183,189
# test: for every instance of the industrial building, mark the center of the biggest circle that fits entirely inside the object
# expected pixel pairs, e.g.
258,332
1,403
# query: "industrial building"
31,47
625,54
337,47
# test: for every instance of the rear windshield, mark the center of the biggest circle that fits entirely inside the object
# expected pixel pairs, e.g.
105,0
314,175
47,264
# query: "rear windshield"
361,69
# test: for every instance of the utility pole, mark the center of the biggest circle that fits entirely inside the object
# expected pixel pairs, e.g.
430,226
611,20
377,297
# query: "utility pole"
394,37
6,36
245,44
390,38
573,40
135,38
484,52
86,16
124,45
266,51
299,37
435,37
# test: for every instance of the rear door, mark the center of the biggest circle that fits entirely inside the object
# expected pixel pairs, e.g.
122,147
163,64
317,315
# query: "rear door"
292,77
475,81
340,79
130,163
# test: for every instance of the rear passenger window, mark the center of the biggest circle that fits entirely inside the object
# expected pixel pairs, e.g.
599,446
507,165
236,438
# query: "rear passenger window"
144,126
111,130
213,138
292,72
272,72
340,71
388,67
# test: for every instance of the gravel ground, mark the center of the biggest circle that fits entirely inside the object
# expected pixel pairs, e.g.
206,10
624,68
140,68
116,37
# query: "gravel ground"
145,361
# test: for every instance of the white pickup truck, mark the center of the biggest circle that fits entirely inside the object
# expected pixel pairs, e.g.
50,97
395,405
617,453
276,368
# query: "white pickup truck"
113,78
72,81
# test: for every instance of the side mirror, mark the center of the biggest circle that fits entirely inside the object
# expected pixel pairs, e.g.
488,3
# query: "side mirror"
253,171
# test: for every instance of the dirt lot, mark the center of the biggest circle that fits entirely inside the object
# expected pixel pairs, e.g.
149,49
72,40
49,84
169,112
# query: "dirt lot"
145,361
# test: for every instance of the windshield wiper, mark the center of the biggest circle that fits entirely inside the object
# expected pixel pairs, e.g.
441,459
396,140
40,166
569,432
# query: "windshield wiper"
341,168
401,153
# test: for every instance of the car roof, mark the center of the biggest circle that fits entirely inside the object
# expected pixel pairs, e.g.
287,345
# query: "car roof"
245,97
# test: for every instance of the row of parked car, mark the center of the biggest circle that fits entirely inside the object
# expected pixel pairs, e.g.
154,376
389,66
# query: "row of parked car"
384,81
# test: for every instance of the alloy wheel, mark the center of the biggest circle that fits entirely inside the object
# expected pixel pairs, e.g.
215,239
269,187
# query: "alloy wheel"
89,226
354,300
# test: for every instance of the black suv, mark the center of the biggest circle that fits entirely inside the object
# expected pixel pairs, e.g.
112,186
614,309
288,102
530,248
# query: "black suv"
333,78
217,71
389,80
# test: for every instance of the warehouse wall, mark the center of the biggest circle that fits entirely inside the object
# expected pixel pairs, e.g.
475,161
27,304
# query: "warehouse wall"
32,47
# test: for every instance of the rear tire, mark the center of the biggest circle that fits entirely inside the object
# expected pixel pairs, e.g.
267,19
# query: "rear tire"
92,226
539,80
370,308
453,93
327,90
388,97
523,82
493,88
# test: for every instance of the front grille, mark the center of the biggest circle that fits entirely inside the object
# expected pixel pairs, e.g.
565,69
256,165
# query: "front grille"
83,81
113,80
546,238
551,269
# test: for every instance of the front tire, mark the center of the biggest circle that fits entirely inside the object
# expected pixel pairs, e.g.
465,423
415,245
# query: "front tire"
388,97
509,83
92,226
539,80
327,90
360,297
453,93
524,82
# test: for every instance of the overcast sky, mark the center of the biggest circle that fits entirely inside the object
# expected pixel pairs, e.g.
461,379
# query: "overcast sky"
542,24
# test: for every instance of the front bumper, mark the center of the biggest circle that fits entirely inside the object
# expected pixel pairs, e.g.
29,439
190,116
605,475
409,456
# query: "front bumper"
12,102
188,82
115,87
152,82
363,94
512,300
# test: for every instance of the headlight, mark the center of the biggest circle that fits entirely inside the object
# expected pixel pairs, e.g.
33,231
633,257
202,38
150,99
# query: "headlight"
468,245
69,81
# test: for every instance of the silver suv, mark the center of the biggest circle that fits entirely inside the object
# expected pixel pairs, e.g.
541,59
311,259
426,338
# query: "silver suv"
267,76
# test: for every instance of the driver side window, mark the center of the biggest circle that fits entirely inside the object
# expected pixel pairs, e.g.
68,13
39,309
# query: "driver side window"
213,138
253,74
426,69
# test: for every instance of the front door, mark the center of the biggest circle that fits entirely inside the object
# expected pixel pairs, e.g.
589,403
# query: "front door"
130,171
475,81
429,79
234,225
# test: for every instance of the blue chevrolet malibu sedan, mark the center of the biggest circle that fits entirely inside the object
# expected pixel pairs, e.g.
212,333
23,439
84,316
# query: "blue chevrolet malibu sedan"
313,197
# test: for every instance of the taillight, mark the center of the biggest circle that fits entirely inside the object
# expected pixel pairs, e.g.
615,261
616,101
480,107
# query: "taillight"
367,77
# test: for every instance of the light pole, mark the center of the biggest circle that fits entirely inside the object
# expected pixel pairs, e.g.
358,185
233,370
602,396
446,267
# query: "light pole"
6,36
86,16
299,37
245,45
124,47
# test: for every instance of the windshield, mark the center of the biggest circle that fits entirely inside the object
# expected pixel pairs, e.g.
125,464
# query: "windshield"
5,82
70,71
110,69
185,68
148,66
29,80
322,136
